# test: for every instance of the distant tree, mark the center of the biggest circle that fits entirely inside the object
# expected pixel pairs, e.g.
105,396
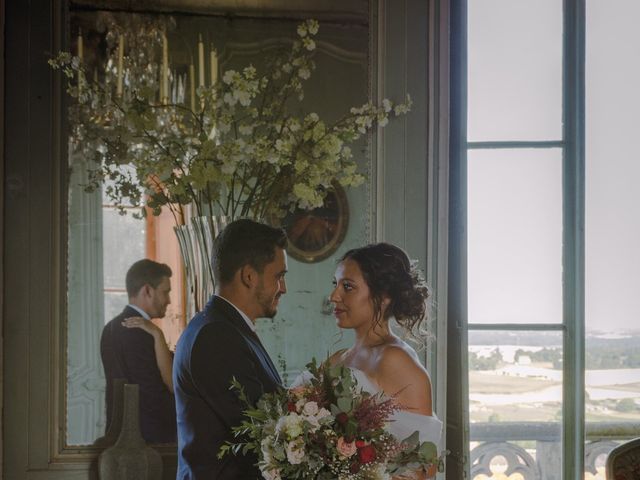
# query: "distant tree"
626,405
492,362
494,417
552,355
612,356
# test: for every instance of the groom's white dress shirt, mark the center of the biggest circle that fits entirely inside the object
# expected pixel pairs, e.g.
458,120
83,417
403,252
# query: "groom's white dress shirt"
142,313
242,314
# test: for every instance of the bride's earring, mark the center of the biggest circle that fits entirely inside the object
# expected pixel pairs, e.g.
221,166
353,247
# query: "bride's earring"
385,304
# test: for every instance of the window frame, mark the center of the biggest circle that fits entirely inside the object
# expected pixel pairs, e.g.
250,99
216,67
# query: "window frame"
573,248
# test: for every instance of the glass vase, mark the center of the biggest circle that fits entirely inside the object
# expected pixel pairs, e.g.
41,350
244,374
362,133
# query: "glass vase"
196,244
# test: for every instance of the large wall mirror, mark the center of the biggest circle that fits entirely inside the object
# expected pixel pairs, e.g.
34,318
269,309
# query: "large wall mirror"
102,243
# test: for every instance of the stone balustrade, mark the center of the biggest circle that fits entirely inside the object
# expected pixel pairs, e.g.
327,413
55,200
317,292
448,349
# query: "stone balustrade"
494,447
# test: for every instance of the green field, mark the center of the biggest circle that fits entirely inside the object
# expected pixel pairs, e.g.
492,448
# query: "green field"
488,383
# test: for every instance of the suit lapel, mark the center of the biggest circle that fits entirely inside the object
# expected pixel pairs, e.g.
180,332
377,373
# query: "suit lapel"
235,319
265,358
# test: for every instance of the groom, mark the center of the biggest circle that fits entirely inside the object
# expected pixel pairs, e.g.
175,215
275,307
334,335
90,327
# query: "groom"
220,343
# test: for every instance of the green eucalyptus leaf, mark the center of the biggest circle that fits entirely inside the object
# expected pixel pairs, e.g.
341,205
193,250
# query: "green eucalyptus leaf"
345,404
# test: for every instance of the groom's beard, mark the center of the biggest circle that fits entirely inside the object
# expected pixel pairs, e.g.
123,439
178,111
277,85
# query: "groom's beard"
267,302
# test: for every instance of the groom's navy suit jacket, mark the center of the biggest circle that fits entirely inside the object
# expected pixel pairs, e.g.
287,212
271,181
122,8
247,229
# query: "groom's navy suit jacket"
217,346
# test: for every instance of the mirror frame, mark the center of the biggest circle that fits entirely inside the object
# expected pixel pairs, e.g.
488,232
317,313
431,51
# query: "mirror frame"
351,11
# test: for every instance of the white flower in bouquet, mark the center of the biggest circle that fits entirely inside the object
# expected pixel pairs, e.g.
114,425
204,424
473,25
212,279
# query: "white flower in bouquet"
295,451
380,473
271,474
265,448
310,408
290,425
323,413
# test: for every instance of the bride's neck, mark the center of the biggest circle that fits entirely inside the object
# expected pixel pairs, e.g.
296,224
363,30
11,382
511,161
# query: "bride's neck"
377,335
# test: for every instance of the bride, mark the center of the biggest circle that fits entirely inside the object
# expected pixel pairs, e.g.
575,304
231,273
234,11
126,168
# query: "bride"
374,284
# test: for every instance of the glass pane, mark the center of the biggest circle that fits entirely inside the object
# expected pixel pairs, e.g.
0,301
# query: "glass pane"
514,70
515,236
114,302
515,403
109,185
612,228
124,243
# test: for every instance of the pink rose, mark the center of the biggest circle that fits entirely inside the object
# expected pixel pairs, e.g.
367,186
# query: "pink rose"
298,392
346,449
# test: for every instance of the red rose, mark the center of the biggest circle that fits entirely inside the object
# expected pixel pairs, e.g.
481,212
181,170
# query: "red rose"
354,468
291,407
367,454
342,418
360,443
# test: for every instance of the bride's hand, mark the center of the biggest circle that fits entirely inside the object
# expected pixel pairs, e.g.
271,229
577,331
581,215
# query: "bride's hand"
422,474
143,324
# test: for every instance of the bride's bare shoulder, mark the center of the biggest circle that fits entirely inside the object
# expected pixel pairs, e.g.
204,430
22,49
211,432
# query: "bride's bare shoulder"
401,375
399,366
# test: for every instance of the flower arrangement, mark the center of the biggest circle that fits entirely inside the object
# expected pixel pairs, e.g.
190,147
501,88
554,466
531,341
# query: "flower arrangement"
235,149
327,429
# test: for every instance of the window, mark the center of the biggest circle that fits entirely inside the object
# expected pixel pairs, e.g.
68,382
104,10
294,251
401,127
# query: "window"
119,255
152,238
542,264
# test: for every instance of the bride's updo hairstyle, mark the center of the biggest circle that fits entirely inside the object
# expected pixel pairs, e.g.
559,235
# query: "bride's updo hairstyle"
388,271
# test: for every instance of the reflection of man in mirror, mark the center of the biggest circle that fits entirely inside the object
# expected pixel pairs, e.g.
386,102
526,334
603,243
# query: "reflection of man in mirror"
134,348
220,343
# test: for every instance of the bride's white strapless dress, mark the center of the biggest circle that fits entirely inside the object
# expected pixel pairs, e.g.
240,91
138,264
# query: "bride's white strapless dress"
402,423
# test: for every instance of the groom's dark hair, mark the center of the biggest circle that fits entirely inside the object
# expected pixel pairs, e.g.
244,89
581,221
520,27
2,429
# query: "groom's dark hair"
145,272
245,242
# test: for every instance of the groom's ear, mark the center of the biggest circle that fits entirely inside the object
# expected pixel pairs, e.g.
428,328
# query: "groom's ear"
248,275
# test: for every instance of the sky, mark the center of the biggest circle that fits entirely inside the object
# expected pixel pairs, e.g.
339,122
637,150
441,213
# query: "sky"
514,196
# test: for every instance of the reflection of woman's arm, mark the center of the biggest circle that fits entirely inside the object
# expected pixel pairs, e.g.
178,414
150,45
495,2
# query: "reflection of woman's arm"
163,354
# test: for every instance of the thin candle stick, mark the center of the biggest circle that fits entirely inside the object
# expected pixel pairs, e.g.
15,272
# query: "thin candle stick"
120,65
200,62
192,86
80,56
164,88
214,66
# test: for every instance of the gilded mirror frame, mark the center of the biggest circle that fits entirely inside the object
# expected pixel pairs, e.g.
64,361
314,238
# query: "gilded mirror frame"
338,11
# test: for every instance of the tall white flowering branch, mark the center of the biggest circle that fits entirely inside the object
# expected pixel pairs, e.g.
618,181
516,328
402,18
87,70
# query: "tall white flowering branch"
240,152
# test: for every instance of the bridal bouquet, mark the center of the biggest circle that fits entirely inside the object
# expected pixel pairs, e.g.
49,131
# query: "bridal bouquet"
327,429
